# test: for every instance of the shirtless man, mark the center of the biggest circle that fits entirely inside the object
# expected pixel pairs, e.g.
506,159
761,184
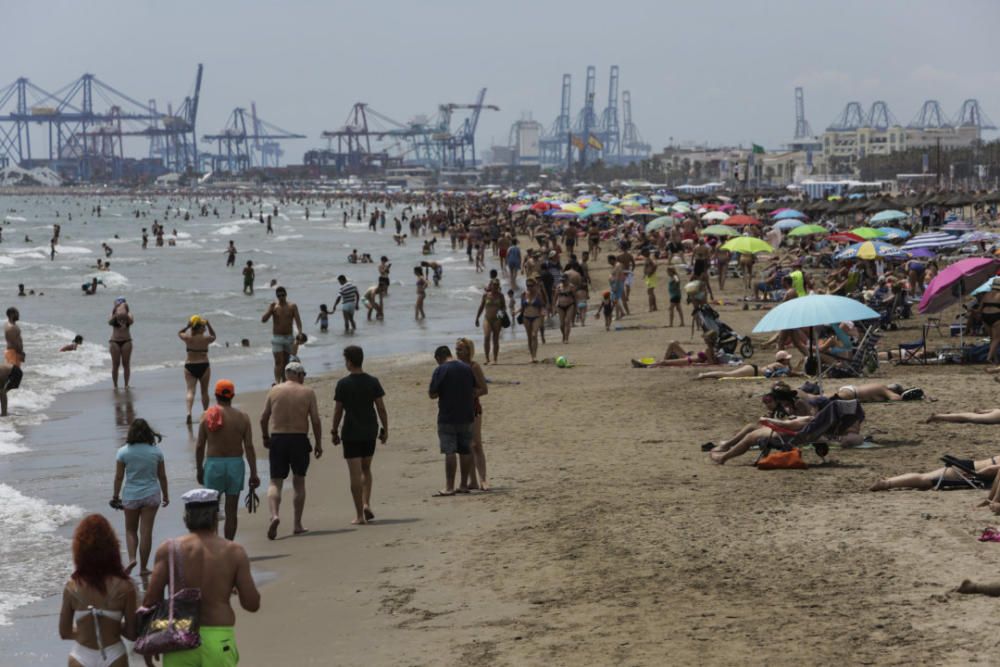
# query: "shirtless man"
701,255
14,354
372,299
224,438
627,262
230,254
216,567
285,314
288,411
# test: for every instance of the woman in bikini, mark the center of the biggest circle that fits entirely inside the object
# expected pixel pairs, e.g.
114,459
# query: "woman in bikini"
986,469
383,276
533,307
566,305
197,335
120,342
989,312
465,350
99,600
782,367
418,308
491,306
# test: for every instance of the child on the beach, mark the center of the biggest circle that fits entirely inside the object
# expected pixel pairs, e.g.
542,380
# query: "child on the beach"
607,309
511,302
323,318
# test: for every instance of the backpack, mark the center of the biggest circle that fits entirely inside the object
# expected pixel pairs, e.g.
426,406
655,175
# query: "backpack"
777,460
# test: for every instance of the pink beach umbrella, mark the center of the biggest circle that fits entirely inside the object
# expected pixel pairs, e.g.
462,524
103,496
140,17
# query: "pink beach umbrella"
955,282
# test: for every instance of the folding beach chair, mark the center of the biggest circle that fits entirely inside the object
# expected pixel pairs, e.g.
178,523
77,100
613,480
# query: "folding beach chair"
835,419
966,471
863,360
915,351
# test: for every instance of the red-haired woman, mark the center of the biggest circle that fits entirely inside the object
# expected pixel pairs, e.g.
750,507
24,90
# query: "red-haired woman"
99,600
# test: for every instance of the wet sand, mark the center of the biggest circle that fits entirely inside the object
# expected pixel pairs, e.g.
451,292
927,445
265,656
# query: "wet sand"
610,538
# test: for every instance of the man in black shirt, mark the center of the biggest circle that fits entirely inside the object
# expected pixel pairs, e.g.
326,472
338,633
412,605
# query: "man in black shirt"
453,385
357,399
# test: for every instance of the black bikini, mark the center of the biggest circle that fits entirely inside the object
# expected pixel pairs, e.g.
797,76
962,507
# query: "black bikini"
197,369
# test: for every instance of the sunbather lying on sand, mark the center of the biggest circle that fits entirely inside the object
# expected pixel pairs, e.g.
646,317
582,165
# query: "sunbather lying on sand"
977,417
876,392
782,367
971,588
676,355
986,469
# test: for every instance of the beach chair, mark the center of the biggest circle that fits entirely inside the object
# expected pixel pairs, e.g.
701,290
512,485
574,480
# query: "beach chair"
835,419
915,351
968,478
863,360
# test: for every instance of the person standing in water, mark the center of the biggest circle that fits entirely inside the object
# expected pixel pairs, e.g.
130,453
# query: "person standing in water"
348,298
418,308
197,335
217,568
359,405
224,438
248,277
120,342
139,464
230,255
286,320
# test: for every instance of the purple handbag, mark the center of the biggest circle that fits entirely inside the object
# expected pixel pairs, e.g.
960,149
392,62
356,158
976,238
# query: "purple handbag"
173,624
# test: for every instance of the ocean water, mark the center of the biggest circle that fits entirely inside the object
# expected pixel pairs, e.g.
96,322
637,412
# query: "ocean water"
56,462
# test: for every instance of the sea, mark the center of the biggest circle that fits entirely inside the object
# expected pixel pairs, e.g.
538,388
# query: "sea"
57,446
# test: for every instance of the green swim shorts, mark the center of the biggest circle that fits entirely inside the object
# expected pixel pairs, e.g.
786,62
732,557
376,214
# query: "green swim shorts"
225,474
218,649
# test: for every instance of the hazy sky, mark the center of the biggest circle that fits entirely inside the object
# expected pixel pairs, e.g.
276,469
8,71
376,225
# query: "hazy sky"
716,71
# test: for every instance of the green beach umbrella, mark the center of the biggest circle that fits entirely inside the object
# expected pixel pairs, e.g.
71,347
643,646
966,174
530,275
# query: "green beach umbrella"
867,233
808,230
719,230
659,223
747,245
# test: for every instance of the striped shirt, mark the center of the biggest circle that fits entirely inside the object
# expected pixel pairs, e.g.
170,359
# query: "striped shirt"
349,294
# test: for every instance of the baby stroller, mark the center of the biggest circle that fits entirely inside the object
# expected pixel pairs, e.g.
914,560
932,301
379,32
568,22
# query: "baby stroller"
727,340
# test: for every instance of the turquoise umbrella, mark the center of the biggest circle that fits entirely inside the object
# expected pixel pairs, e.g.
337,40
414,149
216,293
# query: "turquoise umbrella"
893,233
888,216
812,311
659,223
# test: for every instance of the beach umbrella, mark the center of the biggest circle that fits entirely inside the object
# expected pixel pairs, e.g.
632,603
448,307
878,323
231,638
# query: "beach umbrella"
985,287
814,310
955,282
572,208
517,208
935,240
888,216
641,212
789,214
808,230
719,230
867,233
957,226
715,215
740,221
747,245
660,223
869,250
921,252
894,233
978,237
789,224
844,237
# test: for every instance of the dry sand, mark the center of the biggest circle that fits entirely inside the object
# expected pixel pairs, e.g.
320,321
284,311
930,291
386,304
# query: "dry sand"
610,539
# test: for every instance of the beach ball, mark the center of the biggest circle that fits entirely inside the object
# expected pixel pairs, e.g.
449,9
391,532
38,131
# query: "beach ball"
561,362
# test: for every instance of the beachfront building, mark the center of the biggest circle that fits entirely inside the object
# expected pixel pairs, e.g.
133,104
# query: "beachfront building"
842,148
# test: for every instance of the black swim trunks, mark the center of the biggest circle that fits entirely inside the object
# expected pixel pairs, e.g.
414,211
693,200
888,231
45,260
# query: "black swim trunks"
14,379
288,451
358,449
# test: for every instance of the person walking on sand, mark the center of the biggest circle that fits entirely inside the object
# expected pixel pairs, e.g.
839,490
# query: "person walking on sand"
286,319
139,463
465,350
214,566
492,307
197,336
348,298
224,438
289,409
359,405
99,600
120,342
453,385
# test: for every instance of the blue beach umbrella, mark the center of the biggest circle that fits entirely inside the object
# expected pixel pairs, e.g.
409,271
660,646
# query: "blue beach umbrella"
789,224
985,287
812,311
888,216
790,214
893,233
869,250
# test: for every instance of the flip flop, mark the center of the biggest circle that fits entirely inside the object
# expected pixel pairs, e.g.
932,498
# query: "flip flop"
272,530
369,515
708,446
252,501
442,494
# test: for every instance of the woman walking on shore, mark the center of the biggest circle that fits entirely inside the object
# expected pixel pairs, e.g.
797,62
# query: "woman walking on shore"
533,307
120,342
566,305
491,307
140,467
196,368
99,600
465,350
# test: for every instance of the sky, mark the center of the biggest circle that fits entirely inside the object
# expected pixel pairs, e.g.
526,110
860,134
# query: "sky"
715,71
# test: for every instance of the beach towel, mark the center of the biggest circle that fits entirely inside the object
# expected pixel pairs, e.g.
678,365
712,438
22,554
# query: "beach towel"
990,535
213,418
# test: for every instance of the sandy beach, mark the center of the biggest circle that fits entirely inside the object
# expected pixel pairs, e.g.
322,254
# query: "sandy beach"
611,539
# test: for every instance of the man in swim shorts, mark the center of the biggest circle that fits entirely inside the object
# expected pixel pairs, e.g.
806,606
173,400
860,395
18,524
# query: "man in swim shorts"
289,410
224,438
285,314
348,298
14,354
214,566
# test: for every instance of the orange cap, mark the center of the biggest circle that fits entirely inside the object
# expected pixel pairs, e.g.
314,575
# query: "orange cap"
225,389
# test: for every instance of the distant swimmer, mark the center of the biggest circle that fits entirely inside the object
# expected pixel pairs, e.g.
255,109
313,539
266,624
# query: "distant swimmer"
72,347
120,342
20,290
248,277
197,336
230,254
353,257
107,249
286,320
145,238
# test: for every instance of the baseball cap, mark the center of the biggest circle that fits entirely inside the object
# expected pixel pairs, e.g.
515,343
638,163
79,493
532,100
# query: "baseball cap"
225,389
781,355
